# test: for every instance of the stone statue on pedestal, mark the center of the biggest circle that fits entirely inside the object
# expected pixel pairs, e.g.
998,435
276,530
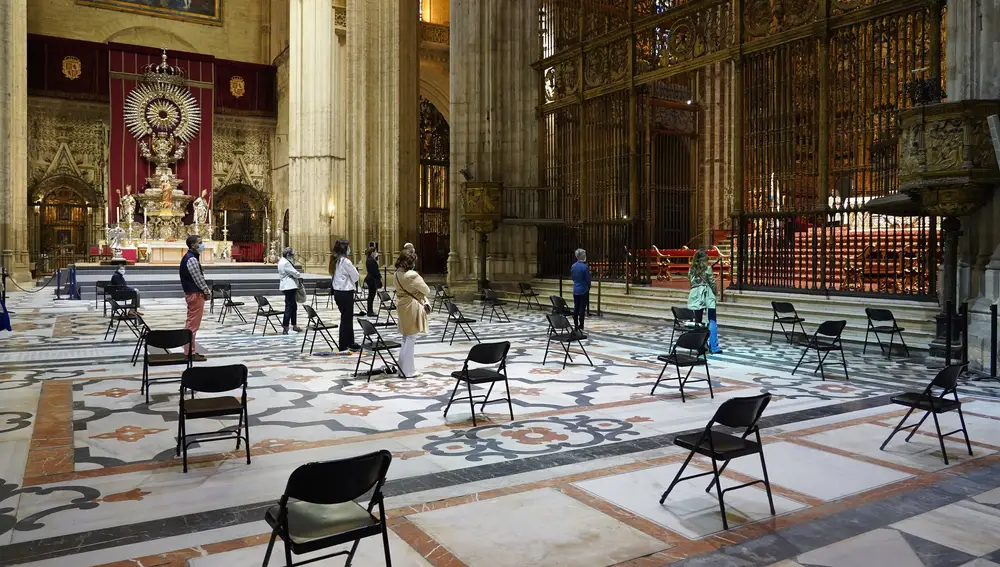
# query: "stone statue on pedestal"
201,210
127,205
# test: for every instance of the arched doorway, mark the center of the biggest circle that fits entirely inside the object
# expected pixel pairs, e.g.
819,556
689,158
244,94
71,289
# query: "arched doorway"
64,222
242,209
434,161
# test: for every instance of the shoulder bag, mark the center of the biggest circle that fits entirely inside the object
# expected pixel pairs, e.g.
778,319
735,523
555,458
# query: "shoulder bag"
427,306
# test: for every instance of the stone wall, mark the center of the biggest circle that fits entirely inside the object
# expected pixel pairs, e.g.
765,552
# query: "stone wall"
240,37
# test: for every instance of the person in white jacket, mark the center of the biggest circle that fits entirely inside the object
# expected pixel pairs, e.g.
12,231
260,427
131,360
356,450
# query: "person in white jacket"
345,278
288,283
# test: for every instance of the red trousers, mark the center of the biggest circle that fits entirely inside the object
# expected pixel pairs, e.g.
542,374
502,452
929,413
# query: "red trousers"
195,310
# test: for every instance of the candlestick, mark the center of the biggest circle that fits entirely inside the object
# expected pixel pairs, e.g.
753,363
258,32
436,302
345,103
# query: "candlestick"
225,218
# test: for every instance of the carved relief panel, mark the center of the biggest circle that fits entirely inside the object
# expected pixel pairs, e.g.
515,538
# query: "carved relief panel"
241,151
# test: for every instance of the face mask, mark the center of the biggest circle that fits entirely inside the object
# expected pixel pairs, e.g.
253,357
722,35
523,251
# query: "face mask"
201,247
348,250
121,271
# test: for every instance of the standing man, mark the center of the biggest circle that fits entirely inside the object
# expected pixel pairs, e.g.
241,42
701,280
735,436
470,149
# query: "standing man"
581,289
196,289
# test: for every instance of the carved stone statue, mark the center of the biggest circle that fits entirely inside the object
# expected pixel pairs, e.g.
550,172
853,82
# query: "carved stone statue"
201,209
128,205
114,238
166,194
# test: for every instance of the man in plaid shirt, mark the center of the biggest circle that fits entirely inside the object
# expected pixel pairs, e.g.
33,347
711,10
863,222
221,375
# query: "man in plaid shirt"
196,290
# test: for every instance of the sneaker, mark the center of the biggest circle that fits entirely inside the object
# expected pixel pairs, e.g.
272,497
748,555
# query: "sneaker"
344,353
198,357
716,351
297,329
284,330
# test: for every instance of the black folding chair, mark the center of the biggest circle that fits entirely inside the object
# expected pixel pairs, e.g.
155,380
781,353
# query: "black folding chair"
559,306
561,331
318,327
378,346
684,320
881,321
361,299
932,405
323,287
719,446
784,313
696,345
228,305
456,318
143,331
825,340
315,513
485,353
385,303
527,294
216,292
265,310
493,302
101,292
213,380
165,340
124,306
442,295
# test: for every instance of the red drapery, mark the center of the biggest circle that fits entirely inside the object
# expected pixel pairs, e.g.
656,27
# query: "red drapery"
128,167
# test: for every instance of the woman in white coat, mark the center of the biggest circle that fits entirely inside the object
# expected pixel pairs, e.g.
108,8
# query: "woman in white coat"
288,283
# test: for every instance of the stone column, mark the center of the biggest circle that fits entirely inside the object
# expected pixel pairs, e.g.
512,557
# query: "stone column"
383,113
14,138
973,52
315,159
494,132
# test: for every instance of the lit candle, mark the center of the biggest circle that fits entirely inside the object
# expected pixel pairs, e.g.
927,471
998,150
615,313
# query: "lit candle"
225,218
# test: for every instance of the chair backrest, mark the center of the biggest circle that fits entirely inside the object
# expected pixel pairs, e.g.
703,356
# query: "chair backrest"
831,328
558,303
101,285
174,338
453,311
215,379
384,296
489,353
339,481
525,287
368,329
262,301
438,289
221,287
311,312
783,308
558,321
696,340
877,314
741,412
682,314
489,295
947,378
324,285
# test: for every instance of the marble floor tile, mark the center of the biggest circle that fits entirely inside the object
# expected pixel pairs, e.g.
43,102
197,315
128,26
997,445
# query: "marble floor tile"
991,497
878,548
966,526
922,453
810,471
540,527
689,510
370,554
980,562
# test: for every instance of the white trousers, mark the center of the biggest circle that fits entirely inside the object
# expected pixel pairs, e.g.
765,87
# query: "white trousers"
406,364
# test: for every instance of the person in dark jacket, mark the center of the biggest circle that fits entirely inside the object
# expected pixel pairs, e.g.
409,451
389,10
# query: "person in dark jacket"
196,289
118,280
373,279
580,274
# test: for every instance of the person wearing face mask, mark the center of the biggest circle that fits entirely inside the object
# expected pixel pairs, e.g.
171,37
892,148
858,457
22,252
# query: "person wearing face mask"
196,290
373,279
118,280
345,278
288,284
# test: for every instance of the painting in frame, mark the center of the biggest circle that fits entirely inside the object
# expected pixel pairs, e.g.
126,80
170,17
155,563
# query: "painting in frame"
200,11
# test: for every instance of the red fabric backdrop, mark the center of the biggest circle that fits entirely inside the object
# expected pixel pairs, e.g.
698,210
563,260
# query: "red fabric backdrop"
128,167
45,68
259,93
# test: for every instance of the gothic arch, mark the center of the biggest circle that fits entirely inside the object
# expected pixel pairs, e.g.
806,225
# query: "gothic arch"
257,198
435,87
40,190
151,37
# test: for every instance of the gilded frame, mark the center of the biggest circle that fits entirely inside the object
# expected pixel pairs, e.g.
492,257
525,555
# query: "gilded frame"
140,7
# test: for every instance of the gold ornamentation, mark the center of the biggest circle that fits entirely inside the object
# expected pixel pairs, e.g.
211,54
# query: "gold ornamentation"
72,68
237,86
481,205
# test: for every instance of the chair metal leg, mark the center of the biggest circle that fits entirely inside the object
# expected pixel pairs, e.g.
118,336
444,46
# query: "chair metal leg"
905,348
482,407
305,335
585,352
769,337
350,554
677,478
843,360
510,405
718,490
767,481
937,425
897,429
385,541
246,430
868,330
891,336
270,546
801,358
658,378
288,554
708,376
453,392
472,403
444,335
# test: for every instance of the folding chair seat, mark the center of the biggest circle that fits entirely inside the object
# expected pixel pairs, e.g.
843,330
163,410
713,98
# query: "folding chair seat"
494,303
379,347
323,288
228,305
456,320
882,322
735,413
265,310
387,304
485,353
315,513
684,320
143,331
559,306
561,331
442,295
318,327
213,380
124,309
784,313
165,340
825,340
527,293
933,405
696,345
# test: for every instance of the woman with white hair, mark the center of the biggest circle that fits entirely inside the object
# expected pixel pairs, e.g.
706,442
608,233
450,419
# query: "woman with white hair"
288,283
580,274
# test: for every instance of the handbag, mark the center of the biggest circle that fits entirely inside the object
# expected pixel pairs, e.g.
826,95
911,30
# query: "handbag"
424,303
300,293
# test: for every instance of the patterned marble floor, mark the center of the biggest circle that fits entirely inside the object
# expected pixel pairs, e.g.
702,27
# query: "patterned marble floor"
88,474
